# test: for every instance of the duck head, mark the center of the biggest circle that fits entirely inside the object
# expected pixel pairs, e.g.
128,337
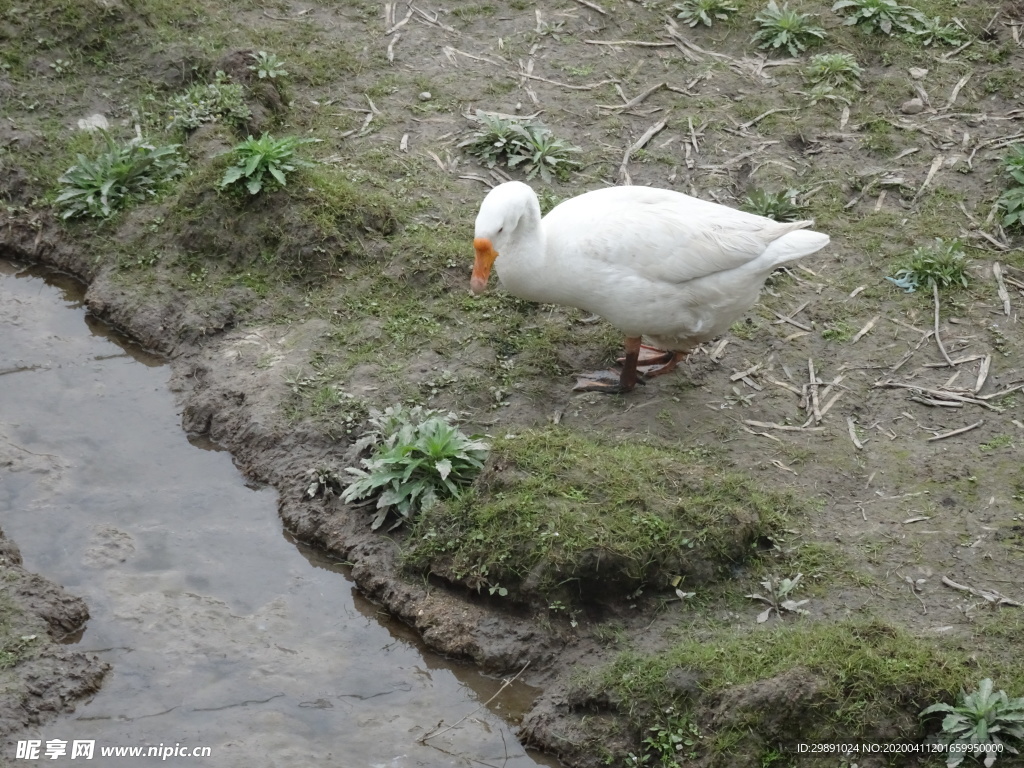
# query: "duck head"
500,215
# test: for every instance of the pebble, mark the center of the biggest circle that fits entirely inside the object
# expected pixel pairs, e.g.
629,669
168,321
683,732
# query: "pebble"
917,73
93,123
912,106
425,96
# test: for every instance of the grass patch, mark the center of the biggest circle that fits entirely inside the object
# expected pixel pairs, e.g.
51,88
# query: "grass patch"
14,646
822,565
343,208
838,331
860,680
561,515
311,228
943,264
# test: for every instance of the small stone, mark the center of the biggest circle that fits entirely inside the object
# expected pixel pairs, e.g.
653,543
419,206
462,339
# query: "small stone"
425,96
93,123
912,107
917,73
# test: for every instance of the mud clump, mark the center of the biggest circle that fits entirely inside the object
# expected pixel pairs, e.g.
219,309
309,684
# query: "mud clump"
773,711
39,677
264,99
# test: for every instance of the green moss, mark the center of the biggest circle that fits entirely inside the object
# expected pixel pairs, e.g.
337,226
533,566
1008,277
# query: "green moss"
580,517
871,678
341,208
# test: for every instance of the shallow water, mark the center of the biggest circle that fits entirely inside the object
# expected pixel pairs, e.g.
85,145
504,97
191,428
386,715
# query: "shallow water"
222,631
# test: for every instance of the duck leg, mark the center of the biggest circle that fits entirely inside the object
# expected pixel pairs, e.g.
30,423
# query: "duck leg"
614,382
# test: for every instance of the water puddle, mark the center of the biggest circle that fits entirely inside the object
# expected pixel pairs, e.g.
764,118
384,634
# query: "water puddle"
222,631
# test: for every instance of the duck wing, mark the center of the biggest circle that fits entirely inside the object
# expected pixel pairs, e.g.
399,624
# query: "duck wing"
669,237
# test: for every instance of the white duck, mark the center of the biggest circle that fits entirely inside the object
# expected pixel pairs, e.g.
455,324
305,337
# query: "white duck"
652,262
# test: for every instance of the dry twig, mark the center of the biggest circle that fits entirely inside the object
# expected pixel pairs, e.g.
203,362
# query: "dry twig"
944,395
1004,295
813,389
956,88
860,334
853,434
650,133
983,373
938,340
956,432
642,43
782,427
590,87
986,594
390,19
763,115
634,101
936,164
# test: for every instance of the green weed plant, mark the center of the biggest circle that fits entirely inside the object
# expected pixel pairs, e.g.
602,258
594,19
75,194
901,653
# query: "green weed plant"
944,264
417,459
934,30
1011,202
786,28
879,15
256,159
780,206
694,12
529,145
837,70
220,101
267,66
981,725
120,174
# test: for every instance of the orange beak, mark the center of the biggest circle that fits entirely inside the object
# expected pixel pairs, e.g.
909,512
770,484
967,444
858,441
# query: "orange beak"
485,256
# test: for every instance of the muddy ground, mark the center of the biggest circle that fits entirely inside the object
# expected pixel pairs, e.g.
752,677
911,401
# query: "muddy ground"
288,315
40,676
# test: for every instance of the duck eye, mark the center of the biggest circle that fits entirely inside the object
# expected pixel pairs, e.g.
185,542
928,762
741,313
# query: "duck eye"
501,229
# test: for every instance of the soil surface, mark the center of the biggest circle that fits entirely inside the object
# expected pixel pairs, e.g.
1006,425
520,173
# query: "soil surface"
903,518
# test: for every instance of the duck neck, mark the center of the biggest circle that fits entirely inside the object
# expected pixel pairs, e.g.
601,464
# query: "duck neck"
528,269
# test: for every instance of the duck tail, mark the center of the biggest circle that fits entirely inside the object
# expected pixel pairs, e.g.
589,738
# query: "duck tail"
796,244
